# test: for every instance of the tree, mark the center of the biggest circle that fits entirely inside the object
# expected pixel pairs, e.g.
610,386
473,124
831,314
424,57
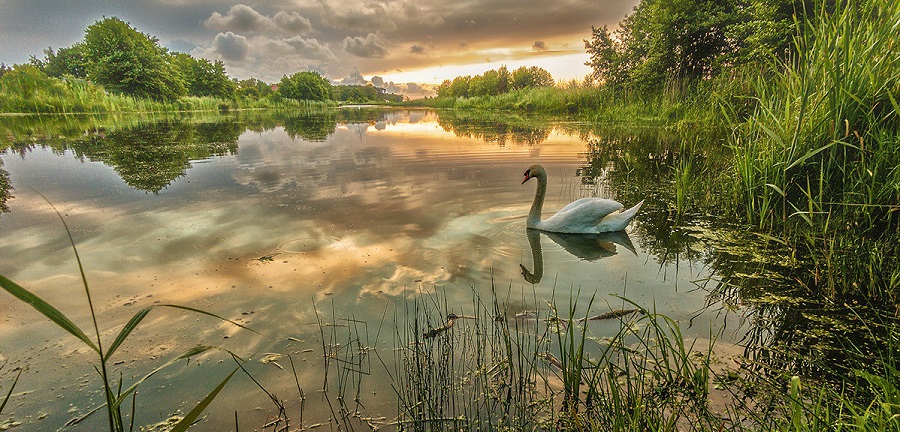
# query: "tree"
203,77
527,77
64,62
309,86
489,83
690,40
605,56
124,60
252,88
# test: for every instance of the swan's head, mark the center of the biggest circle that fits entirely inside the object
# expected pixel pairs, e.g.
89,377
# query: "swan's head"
534,171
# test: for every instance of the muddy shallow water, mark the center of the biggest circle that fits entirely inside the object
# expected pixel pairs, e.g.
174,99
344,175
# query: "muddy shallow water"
284,224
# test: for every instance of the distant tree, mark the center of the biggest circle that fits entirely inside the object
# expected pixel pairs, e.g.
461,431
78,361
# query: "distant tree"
203,77
486,84
124,60
459,87
4,69
526,77
358,93
252,88
305,86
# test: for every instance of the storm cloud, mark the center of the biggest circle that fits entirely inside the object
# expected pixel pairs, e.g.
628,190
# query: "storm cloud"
231,46
368,46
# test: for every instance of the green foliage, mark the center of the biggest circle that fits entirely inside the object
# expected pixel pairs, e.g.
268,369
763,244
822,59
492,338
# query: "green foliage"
5,188
126,61
360,93
823,140
26,89
65,62
528,77
495,82
458,88
490,83
306,86
252,88
203,77
684,40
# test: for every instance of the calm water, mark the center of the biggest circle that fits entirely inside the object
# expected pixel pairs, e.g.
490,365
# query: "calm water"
281,221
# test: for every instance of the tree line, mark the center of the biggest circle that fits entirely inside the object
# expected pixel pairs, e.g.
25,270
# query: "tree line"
122,60
495,82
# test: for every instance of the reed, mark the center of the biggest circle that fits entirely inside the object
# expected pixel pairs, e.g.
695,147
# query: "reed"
489,369
823,137
115,395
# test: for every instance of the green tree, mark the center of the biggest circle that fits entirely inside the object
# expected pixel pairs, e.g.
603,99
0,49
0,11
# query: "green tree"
486,84
127,61
605,52
459,87
527,77
203,77
309,86
65,62
252,88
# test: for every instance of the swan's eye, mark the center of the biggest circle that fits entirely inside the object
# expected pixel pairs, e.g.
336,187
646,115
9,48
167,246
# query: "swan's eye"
527,172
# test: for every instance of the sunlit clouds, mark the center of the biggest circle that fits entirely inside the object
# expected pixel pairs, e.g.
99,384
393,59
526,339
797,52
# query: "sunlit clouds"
398,42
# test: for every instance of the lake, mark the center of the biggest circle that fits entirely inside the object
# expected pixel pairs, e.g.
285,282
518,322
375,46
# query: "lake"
303,226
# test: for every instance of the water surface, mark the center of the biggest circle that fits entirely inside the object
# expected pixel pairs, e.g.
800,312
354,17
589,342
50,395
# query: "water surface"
282,221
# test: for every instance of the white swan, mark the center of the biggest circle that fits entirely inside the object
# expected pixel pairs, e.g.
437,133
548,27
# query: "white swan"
584,216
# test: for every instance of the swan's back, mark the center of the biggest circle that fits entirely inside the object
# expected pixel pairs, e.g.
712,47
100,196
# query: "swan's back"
582,216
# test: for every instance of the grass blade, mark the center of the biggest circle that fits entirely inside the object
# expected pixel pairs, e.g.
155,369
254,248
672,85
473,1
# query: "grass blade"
138,317
9,394
47,310
199,349
192,416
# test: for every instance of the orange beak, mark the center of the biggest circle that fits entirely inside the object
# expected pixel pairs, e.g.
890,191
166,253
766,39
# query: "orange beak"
527,176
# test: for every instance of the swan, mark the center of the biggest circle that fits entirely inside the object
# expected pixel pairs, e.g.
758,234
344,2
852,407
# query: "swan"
584,216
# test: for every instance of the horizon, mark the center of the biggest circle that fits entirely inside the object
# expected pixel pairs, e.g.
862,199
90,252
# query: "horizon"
401,42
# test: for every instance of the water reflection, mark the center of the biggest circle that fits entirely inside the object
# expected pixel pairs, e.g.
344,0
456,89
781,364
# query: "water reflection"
587,247
358,210
5,188
496,128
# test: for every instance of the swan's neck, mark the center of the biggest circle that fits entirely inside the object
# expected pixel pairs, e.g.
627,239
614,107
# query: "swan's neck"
534,216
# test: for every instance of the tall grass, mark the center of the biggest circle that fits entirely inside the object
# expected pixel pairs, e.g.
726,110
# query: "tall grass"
546,369
677,102
823,139
115,396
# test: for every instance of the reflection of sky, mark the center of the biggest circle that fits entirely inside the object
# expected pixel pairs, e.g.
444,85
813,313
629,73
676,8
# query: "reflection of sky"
372,215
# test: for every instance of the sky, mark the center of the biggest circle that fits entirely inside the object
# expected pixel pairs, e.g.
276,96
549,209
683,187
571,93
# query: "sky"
399,41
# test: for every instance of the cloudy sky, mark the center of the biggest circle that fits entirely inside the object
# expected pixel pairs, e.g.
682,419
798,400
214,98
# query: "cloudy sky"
422,41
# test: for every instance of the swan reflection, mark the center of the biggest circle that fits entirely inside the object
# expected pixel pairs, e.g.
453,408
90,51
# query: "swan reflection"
589,247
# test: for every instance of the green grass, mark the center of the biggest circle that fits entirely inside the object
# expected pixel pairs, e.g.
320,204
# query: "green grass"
677,103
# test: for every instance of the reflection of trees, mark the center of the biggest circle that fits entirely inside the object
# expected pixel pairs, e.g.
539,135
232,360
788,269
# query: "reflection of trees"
311,126
5,188
635,165
151,157
147,155
495,128
799,322
318,124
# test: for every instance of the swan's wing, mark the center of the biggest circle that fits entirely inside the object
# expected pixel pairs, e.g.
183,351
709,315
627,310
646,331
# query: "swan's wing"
599,206
581,216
